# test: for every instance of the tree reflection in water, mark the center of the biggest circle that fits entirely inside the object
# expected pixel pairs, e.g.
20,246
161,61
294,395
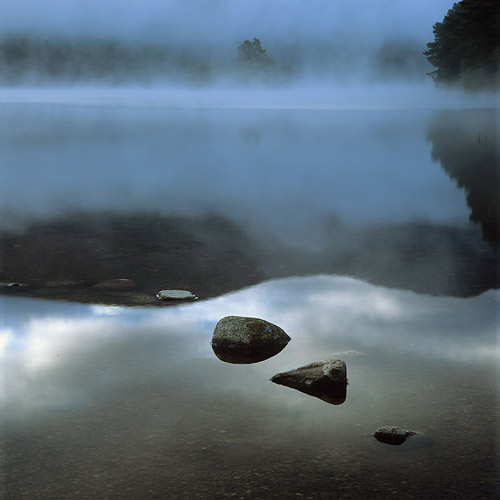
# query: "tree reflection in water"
466,143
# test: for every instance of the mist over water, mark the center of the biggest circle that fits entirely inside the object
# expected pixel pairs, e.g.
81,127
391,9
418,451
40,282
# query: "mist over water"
278,170
340,54
157,42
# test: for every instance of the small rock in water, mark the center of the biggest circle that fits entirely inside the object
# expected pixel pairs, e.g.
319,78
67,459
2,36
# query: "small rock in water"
175,295
243,340
326,380
392,434
13,285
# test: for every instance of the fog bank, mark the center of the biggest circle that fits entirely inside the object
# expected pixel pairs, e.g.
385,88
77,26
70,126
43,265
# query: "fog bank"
145,42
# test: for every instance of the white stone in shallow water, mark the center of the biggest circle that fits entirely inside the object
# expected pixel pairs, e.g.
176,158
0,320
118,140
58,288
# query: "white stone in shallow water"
175,295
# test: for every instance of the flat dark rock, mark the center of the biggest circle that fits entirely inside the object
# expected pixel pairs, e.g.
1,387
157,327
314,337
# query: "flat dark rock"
392,434
326,380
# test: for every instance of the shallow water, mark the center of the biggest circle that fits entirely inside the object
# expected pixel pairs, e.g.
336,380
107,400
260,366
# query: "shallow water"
349,229
113,402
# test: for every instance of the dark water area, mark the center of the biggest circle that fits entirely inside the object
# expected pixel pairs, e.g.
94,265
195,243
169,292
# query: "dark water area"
367,235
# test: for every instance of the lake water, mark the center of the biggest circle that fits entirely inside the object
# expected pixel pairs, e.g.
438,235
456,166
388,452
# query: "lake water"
370,235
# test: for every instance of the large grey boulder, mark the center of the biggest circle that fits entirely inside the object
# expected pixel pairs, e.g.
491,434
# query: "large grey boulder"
239,339
326,380
392,434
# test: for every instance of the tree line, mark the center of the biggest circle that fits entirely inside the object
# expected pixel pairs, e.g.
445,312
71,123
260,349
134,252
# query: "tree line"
28,58
465,52
24,57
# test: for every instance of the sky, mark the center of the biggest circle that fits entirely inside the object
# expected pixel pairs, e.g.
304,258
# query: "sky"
212,20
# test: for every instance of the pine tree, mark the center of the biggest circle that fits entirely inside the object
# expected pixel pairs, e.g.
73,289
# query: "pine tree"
466,46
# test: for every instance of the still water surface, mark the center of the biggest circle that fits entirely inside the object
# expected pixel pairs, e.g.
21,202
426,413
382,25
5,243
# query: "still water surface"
348,228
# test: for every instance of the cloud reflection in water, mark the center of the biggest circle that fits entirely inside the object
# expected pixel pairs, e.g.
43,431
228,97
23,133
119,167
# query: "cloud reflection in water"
64,353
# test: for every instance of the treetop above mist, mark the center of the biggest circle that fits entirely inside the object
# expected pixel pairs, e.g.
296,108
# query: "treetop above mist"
466,46
252,54
254,63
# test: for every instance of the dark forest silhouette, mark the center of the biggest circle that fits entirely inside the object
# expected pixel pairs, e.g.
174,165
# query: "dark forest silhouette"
466,46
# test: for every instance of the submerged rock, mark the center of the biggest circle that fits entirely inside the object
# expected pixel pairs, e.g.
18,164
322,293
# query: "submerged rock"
175,295
242,340
392,434
326,380
63,283
115,284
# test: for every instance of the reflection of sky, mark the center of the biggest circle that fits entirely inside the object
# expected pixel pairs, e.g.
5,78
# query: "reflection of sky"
284,170
58,353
